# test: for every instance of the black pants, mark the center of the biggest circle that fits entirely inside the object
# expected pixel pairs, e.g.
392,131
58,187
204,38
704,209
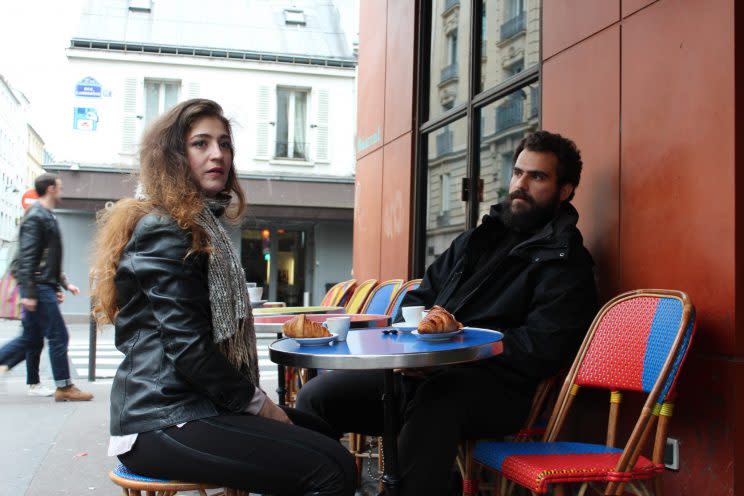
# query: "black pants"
437,413
250,453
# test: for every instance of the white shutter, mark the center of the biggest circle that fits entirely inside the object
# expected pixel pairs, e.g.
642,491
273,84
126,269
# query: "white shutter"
193,90
321,129
262,123
129,123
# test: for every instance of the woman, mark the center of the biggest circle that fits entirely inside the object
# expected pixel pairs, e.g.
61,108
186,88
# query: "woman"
185,402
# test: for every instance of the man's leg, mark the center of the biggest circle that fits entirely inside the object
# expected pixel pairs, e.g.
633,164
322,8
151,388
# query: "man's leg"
33,352
350,401
58,337
447,408
14,351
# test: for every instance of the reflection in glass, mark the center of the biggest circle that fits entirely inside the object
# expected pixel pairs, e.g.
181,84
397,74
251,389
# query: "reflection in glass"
446,168
448,78
510,39
503,125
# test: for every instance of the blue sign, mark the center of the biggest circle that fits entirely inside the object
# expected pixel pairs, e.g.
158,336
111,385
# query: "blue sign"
88,87
85,119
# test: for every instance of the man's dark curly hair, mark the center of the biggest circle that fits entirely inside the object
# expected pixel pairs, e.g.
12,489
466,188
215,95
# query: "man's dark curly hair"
569,157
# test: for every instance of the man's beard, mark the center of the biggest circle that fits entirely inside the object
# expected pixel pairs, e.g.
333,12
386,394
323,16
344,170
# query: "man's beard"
530,219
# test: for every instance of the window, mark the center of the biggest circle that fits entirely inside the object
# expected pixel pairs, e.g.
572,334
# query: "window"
291,124
478,100
159,97
294,17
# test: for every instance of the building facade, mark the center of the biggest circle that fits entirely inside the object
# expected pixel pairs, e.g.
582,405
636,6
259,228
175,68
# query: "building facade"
285,75
657,118
17,143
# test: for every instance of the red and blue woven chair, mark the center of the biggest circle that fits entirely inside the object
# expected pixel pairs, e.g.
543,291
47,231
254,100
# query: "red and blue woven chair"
637,343
133,484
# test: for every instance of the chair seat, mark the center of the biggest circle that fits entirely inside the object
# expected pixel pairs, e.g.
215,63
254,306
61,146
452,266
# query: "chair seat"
535,465
124,477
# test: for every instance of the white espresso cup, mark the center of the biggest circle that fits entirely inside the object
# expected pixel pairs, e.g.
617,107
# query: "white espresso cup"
412,315
250,285
255,293
338,326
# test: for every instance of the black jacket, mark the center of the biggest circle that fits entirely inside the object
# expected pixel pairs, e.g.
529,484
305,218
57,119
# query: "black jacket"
39,258
172,371
542,295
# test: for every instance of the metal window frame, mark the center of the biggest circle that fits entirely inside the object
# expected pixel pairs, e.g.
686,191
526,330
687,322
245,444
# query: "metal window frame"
470,109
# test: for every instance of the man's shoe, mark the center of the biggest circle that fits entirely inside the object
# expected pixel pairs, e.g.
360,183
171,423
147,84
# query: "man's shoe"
39,390
71,393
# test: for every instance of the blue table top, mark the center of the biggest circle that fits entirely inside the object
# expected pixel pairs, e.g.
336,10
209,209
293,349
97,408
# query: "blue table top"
372,349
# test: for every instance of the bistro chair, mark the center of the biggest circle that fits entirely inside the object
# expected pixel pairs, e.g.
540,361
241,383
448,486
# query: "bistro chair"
339,294
399,295
637,342
533,430
379,299
360,295
133,484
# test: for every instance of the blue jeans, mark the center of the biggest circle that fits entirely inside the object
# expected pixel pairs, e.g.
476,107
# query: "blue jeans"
45,321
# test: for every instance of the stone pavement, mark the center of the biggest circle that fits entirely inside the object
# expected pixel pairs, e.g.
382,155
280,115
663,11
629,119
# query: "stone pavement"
60,448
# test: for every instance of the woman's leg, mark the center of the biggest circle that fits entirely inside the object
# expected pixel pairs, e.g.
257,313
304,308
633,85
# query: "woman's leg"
247,452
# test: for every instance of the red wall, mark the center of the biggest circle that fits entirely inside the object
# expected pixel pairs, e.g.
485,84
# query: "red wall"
382,214
646,89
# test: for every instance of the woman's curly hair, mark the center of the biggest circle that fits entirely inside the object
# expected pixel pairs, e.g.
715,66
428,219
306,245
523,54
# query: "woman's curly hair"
166,184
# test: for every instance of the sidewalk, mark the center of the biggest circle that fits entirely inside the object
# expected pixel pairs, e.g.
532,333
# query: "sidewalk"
57,448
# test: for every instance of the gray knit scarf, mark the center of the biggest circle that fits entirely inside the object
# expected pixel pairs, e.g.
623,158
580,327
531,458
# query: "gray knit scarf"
232,318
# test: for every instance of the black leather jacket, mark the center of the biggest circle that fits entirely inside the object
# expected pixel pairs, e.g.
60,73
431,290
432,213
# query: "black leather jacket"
542,295
39,259
172,371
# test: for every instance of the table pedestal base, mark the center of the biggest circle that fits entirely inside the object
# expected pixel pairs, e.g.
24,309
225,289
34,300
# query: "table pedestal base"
390,478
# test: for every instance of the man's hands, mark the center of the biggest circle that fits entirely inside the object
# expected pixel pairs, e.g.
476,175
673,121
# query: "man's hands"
29,304
73,289
271,411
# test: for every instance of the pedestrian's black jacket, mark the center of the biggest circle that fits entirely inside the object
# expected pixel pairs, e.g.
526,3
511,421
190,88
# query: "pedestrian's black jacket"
172,371
39,258
542,295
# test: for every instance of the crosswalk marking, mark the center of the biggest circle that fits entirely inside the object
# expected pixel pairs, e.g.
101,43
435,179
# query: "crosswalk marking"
108,359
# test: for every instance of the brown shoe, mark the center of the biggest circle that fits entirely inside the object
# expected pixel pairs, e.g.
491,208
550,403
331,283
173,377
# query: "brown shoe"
71,393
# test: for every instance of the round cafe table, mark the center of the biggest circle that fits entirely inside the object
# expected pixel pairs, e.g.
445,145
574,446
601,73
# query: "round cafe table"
273,324
372,349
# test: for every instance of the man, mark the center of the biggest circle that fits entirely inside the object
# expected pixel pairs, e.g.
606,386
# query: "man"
41,281
523,271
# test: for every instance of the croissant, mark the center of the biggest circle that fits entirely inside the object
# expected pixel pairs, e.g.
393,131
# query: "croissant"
300,327
438,320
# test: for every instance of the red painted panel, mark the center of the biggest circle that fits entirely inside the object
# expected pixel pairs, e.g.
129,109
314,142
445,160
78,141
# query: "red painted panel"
631,6
371,85
677,159
585,106
566,22
366,254
396,209
399,73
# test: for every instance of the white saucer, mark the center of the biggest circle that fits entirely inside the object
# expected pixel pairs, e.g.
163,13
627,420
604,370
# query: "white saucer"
316,341
258,303
405,326
440,336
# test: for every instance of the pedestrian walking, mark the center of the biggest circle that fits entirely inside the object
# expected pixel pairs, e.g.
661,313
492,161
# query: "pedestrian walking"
38,270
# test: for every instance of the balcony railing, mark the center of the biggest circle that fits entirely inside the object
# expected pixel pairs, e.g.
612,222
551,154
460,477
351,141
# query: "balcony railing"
510,113
448,73
298,148
444,142
513,26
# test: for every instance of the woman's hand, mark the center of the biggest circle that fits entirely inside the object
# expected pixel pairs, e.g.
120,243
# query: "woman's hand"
271,411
